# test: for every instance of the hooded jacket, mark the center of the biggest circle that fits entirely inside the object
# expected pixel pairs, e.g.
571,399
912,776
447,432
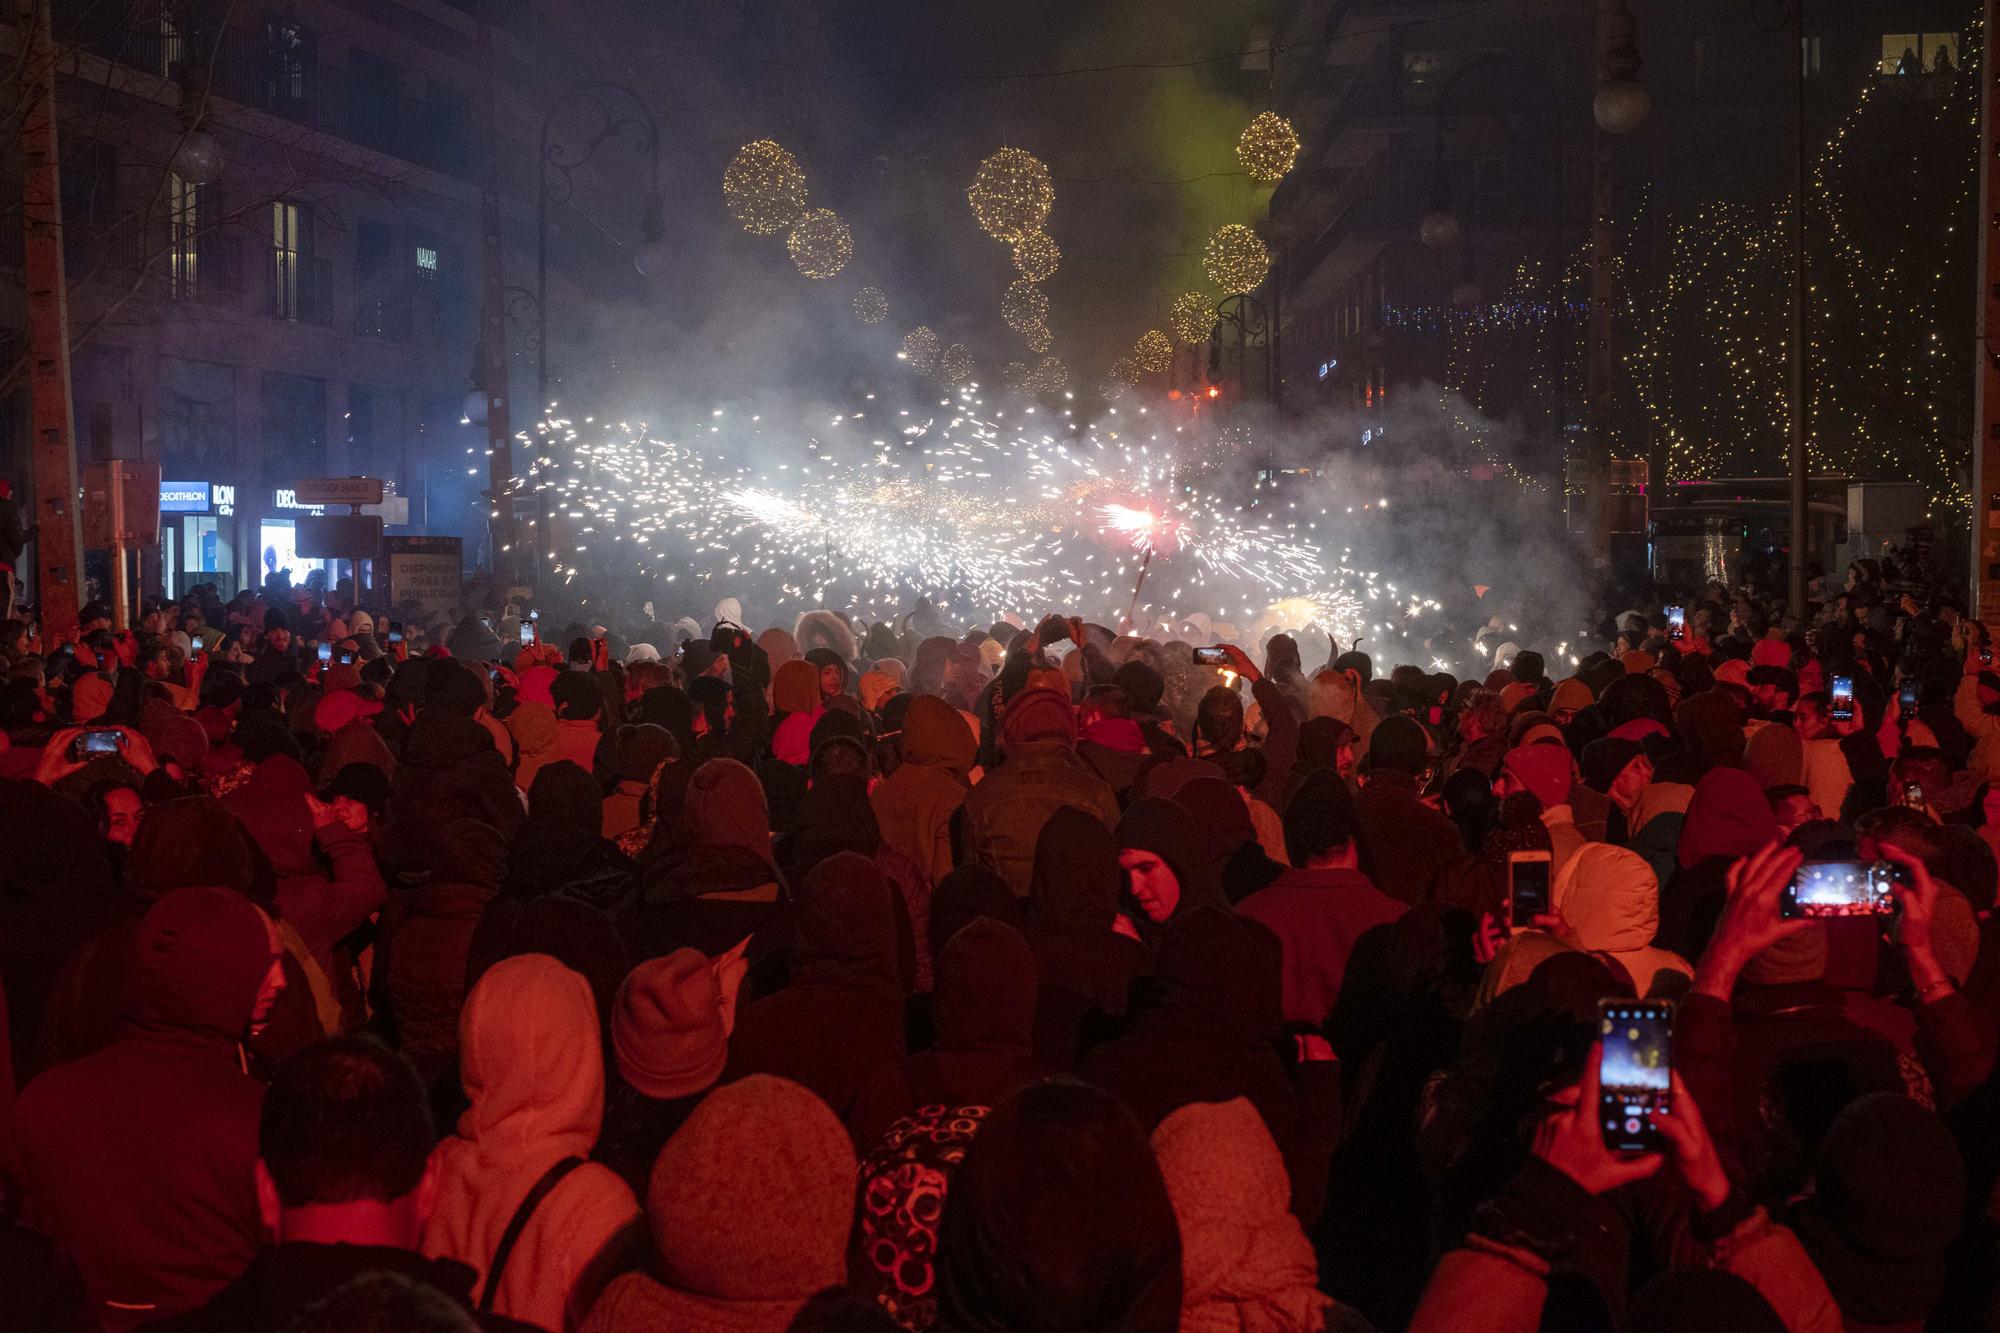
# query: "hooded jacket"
450,769
1246,1265
533,1071
427,940
1609,897
725,887
1085,965
321,907
914,804
750,1205
841,1016
1006,809
535,730
137,1159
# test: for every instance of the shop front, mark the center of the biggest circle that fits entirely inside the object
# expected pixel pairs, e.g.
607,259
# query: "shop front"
197,536
278,541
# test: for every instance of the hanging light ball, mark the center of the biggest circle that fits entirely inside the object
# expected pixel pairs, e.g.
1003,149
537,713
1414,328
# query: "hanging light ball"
920,348
764,187
1192,317
955,366
1051,376
1125,370
1267,148
1154,352
1011,194
1038,338
1015,375
871,305
199,158
1036,257
1024,306
1235,259
1440,229
820,244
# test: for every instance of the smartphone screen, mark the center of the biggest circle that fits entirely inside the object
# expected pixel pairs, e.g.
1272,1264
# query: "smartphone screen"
1527,887
1843,698
527,632
326,652
347,659
395,636
1840,888
1633,1071
1906,699
1913,795
1677,621
97,741
1210,657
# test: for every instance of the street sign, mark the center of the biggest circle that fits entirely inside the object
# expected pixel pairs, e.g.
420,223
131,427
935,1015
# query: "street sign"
141,508
429,571
338,491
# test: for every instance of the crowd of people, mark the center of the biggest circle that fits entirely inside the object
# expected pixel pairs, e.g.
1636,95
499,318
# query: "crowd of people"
368,973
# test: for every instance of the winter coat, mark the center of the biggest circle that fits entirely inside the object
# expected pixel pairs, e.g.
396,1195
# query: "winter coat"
841,1017
449,770
534,1074
1005,810
1611,900
914,804
1407,840
321,907
1318,915
137,1159
427,940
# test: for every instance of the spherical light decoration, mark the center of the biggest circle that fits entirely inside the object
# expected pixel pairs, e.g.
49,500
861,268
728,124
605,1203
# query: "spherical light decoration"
1036,257
920,348
1154,352
1024,306
1236,260
820,244
955,366
199,158
1015,375
1440,230
1192,316
1038,338
1125,370
764,187
1011,194
1050,376
871,305
1621,105
1268,148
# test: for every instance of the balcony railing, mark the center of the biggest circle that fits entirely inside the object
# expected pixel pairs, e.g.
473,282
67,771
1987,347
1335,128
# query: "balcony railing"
299,288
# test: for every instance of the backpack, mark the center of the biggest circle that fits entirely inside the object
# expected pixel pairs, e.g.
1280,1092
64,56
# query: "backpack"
899,1199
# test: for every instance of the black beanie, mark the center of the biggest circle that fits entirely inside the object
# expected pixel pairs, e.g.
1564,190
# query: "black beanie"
1142,685
1399,744
1604,760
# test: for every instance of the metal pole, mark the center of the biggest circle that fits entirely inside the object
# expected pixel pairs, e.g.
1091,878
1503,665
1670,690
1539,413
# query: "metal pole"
1795,596
1985,543
58,544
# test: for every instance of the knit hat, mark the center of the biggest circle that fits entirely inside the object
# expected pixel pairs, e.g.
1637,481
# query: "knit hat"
1637,663
1771,652
1142,685
666,1026
1572,694
751,1199
1775,756
1513,696
1398,744
1544,770
1736,671
1604,760
1038,715
173,734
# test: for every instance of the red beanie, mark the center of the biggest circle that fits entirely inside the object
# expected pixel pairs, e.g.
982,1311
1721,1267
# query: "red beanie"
1543,769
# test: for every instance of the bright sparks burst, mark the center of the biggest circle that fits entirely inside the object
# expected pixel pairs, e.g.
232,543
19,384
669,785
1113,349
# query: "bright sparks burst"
871,305
764,187
1011,194
1236,259
820,244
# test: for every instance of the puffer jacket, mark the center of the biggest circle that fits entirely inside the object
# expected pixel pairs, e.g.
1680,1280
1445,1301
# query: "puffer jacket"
1611,899
533,1071
427,940
1005,811
914,805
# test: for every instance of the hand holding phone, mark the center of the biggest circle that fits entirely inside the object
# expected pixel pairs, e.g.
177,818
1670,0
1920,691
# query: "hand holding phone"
1906,700
1211,657
1528,875
1634,1072
1840,888
326,652
1676,623
527,632
1841,691
94,742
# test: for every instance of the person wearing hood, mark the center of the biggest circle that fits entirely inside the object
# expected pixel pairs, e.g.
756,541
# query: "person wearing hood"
795,689
836,817
1005,810
670,1026
536,733
450,768
725,890
1727,818
750,1205
1245,1261
1085,962
1238,853
840,1017
1337,694
1611,902
1058,1218
1323,904
1407,841
636,752
1208,1033
984,1004
835,674
533,1070
1546,772
421,961
915,804
137,1159
1164,869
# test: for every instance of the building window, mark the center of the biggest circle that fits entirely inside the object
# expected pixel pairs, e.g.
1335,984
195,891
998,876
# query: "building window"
1919,53
289,77
184,229
1809,56
287,259
173,39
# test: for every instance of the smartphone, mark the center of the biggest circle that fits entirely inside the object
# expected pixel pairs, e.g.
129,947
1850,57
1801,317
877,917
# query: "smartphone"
1210,657
1913,795
1840,888
347,659
1677,622
96,741
395,636
1633,1070
1058,650
527,632
1906,700
1842,709
326,652
1527,886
